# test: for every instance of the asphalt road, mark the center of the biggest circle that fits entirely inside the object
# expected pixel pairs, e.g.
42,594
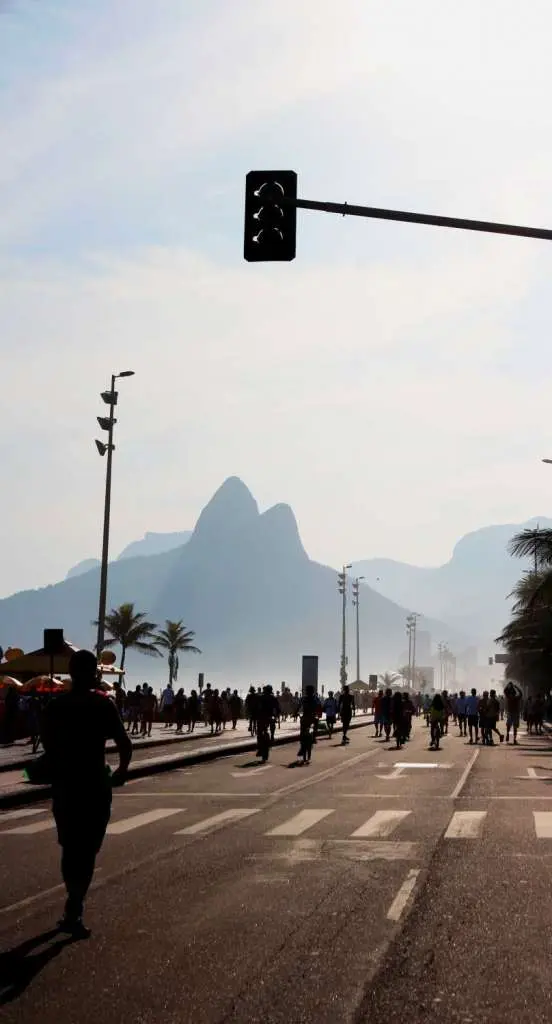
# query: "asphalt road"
350,890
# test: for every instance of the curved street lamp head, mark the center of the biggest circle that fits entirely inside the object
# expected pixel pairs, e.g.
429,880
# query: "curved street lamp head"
125,373
548,461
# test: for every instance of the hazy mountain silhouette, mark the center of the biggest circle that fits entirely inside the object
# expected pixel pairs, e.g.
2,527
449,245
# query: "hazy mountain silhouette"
81,567
155,544
470,591
243,582
149,544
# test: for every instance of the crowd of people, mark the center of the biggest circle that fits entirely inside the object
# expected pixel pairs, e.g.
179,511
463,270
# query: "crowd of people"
476,716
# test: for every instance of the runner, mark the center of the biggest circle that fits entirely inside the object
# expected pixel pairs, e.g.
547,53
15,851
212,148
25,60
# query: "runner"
494,715
461,713
346,710
512,697
330,711
377,709
472,710
436,720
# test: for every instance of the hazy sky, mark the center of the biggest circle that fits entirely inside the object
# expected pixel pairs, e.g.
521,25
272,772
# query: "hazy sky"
392,384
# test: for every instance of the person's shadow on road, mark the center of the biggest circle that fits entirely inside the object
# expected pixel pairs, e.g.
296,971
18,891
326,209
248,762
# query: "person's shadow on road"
18,966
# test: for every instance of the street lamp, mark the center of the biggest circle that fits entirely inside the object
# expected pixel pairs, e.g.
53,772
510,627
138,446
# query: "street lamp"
342,587
356,592
411,626
107,423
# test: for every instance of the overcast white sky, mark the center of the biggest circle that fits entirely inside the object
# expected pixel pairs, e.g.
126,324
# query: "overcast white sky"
392,384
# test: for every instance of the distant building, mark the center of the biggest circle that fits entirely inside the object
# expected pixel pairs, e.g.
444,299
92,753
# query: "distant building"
423,647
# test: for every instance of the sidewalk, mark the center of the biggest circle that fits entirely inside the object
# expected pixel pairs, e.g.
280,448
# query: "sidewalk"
15,792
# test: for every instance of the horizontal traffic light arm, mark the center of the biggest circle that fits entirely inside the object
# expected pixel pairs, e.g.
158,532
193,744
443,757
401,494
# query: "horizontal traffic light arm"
377,213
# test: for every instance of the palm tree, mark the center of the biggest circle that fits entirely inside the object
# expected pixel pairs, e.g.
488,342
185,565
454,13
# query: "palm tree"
174,638
389,679
527,638
130,629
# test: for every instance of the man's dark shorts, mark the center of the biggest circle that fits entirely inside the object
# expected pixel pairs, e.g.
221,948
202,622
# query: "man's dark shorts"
82,818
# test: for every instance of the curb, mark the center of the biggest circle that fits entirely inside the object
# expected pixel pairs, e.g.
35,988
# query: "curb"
28,794
15,766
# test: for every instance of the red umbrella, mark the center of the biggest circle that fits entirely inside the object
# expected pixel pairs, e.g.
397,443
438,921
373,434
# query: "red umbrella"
43,684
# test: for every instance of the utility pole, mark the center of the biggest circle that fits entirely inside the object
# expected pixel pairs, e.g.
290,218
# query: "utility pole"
356,592
342,587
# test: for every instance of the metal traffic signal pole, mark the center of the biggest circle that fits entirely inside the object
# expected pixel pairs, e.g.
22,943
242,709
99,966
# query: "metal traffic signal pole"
271,206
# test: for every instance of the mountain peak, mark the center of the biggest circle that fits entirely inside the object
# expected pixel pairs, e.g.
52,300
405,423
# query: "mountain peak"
231,507
280,524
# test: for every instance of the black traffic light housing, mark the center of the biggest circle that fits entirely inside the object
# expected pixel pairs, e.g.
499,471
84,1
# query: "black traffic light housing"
270,216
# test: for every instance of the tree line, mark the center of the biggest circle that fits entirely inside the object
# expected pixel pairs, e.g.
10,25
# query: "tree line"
132,629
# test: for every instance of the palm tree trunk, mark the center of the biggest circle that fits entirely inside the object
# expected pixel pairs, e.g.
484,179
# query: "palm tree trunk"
123,655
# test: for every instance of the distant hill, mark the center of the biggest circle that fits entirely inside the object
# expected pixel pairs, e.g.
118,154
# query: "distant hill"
150,544
156,544
81,567
470,591
247,587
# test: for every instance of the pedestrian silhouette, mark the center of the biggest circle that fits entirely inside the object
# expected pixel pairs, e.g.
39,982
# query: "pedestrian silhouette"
75,728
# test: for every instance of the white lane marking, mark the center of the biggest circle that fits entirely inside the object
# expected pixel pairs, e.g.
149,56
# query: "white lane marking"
464,776
117,828
421,764
543,824
380,824
31,899
245,774
29,830
395,774
184,792
217,821
465,825
401,899
300,823
25,812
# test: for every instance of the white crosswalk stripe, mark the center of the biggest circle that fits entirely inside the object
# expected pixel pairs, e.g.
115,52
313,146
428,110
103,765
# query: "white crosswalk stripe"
465,825
31,829
218,821
117,828
543,824
300,823
23,812
380,825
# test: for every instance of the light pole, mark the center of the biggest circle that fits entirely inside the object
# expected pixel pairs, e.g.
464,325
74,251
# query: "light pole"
411,625
107,423
356,592
342,587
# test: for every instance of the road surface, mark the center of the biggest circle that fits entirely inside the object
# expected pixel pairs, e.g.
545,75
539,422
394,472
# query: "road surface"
350,890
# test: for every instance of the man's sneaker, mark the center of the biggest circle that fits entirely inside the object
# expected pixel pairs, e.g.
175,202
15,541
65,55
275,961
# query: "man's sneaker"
75,927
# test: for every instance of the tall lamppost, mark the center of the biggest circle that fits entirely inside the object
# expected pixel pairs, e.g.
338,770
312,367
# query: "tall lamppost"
411,625
342,587
356,594
107,423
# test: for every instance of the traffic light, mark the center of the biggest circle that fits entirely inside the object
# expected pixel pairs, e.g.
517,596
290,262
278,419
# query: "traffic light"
270,225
